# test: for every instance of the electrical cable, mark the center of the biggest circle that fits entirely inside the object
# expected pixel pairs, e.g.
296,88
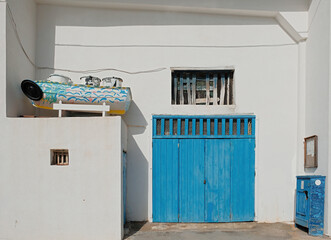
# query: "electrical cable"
69,70
124,46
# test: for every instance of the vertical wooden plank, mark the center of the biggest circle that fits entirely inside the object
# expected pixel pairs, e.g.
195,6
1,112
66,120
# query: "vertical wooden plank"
154,126
215,126
191,180
171,125
222,89
188,86
246,126
253,126
217,174
181,89
165,180
231,126
223,126
186,126
242,182
194,84
201,126
238,126
193,126
228,91
178,127
208,126
207,89
175,89
215,90
162,127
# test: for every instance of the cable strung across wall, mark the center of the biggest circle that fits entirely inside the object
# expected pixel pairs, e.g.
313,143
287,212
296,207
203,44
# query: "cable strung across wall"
12,20
70,70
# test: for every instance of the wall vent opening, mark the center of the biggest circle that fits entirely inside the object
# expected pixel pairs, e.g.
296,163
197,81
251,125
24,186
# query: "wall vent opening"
59,157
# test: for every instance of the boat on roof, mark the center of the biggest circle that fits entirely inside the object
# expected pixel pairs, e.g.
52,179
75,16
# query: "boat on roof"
44,93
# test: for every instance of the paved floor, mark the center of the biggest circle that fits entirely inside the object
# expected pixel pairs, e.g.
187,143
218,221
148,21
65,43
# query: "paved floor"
219,231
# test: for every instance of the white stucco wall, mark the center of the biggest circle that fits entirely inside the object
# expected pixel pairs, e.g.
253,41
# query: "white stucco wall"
18,66
264,57
79,201
317,113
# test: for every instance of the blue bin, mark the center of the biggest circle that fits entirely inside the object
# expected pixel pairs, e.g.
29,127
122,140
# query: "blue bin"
310,203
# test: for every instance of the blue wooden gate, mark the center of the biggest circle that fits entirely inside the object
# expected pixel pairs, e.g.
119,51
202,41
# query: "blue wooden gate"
203,168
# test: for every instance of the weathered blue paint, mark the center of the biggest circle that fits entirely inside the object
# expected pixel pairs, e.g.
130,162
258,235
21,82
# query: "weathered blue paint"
310,203
217,174
213,174
242,179
191,180
162,127
165,180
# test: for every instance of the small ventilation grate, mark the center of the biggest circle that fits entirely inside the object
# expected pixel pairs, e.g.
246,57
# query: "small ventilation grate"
59,157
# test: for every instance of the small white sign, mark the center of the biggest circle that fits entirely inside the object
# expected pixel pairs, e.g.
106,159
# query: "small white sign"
318,182
302,184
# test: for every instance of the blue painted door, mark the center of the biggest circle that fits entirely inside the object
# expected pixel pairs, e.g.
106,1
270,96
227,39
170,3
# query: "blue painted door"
218,177
203,173
242,179
165,180
191,180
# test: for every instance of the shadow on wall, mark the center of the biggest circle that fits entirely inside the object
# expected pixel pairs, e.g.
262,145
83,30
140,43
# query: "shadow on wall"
137,178
135,118
137,165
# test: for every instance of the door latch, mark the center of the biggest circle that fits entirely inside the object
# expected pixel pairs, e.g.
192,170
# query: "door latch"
204,181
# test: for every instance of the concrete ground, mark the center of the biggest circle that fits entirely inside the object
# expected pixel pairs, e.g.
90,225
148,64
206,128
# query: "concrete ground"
219,231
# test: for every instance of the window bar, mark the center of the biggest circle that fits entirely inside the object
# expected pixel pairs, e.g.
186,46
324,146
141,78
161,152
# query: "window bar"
171,122
186,126
154,127
181,90
215,126
246,127
194,82
222,89
175,89
228,91
188,87
162,127
201,126
253,126
223,126
238,126
208,127
193,126
178,126
215,90
231,126
207,89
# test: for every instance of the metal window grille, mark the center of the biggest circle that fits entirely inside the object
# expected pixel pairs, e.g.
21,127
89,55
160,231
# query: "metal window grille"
59,157
202,87
241,126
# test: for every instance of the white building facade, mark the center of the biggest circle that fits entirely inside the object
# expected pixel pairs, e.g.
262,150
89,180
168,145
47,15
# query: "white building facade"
280,54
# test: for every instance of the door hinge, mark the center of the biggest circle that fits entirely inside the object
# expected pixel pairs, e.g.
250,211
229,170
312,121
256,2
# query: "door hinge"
178,216
178,145
255,173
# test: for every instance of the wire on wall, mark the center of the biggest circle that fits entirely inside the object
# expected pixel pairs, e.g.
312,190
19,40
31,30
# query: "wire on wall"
12,20
122,46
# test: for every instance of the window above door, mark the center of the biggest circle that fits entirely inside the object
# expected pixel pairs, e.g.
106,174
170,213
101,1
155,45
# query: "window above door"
202,87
